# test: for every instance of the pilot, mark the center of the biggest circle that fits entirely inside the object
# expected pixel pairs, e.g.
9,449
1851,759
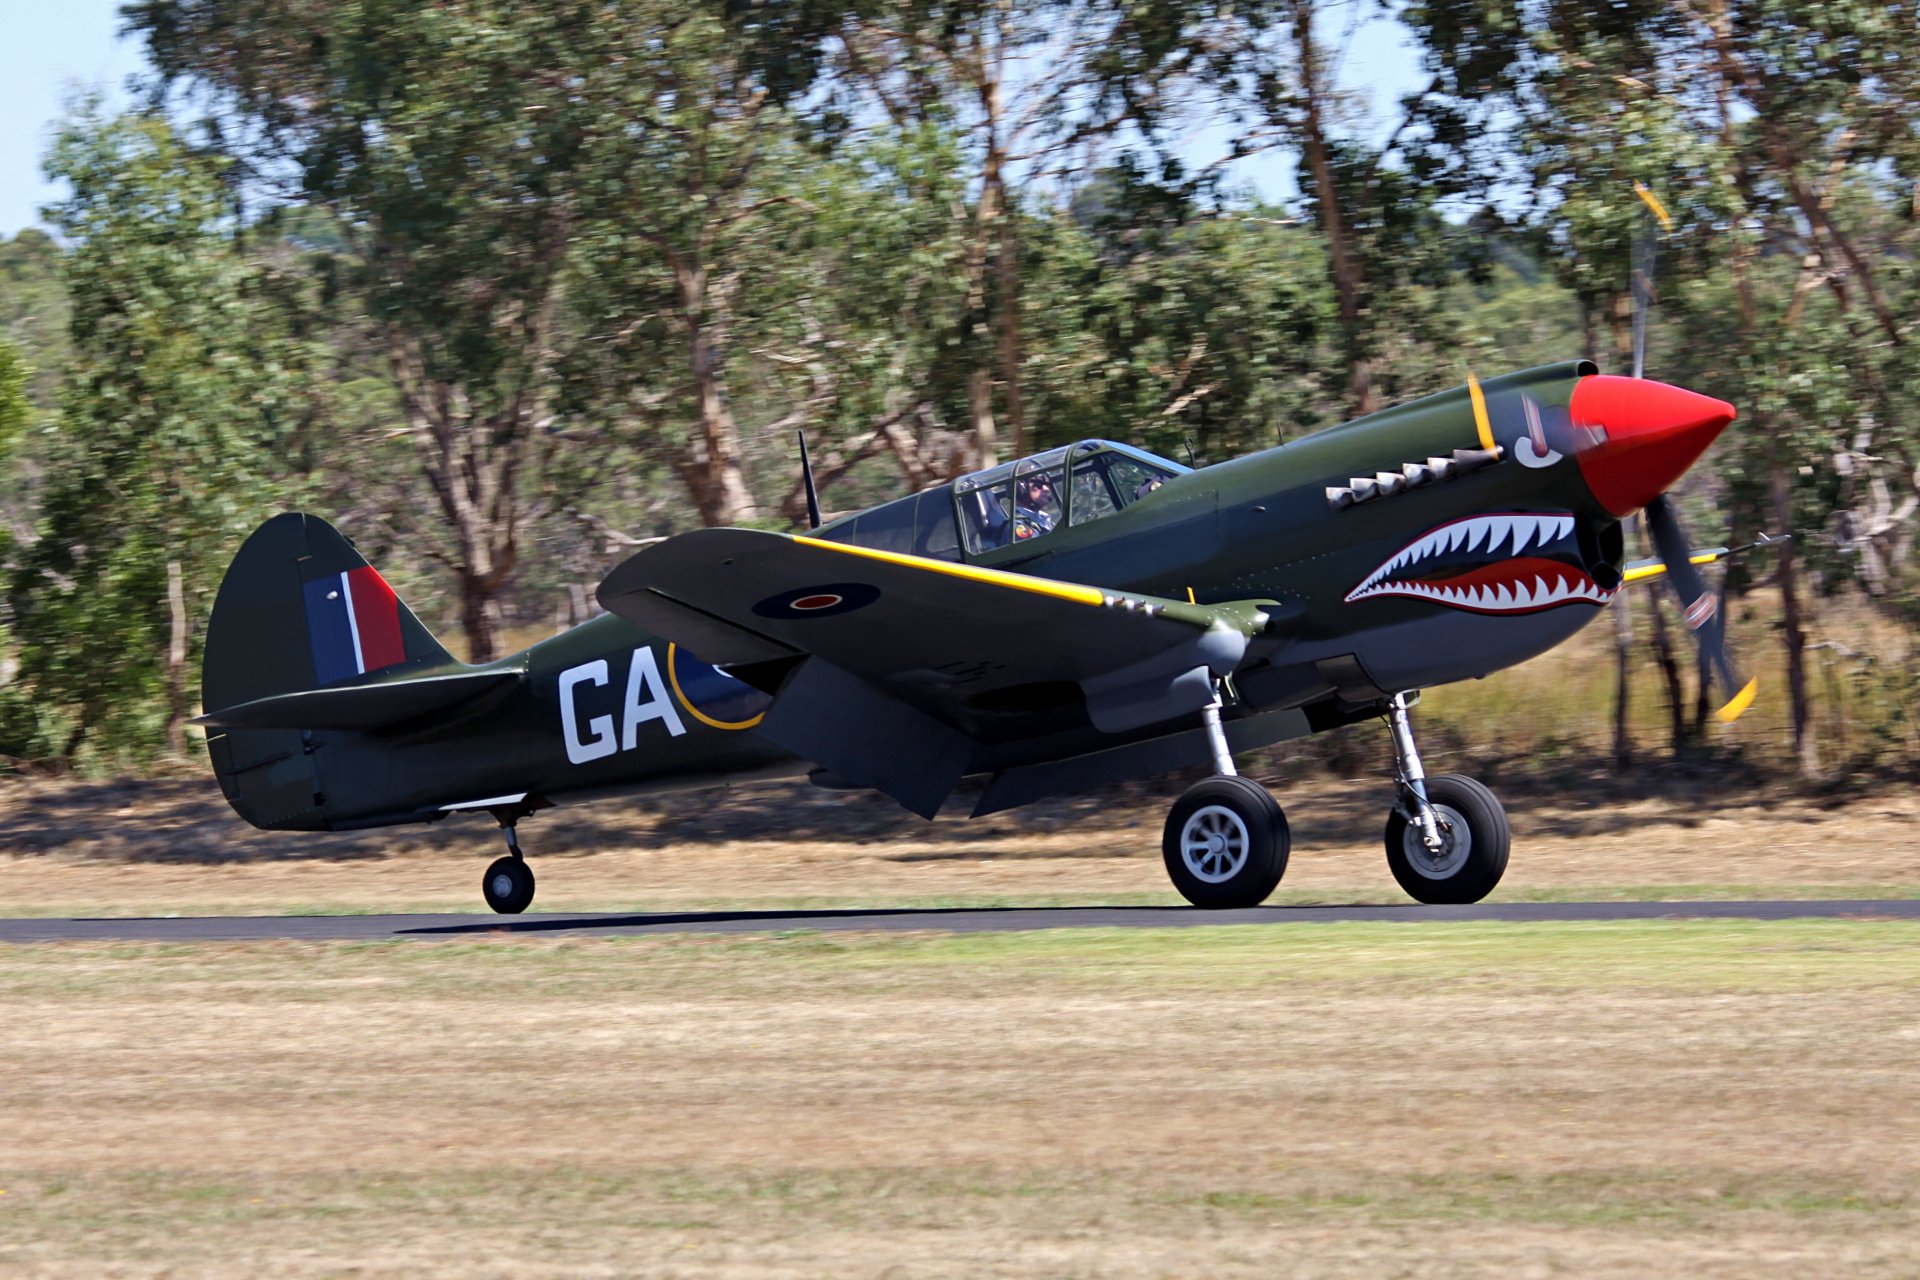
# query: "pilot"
1035,507
1148,487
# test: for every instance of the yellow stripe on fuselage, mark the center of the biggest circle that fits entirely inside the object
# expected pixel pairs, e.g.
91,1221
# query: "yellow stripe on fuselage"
996,577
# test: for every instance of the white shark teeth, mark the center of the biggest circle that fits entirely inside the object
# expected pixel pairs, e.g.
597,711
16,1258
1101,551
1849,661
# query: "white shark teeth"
1502,536
1499,598
1489,535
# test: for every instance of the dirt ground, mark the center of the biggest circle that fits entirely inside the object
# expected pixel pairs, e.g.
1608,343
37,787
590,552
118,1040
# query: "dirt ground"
173,847
1676,1098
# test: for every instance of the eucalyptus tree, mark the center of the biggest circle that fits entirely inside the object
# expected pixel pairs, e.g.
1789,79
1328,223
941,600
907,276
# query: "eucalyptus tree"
1031,96
182,389
498,172
1781,133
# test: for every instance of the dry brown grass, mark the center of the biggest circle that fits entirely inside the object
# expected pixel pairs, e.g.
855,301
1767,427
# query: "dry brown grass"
172,847
1705,1098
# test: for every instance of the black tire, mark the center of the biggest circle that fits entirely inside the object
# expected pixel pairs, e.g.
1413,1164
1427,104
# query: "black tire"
1247,856
1456,875
508,885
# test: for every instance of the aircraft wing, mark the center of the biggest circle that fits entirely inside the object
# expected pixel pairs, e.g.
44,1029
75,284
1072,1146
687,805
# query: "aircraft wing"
893,671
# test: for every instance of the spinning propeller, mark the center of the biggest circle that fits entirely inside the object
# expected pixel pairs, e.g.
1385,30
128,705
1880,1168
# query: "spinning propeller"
1634,437
1701,609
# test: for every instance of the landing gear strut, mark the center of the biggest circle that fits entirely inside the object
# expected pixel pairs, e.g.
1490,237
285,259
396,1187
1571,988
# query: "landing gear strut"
1447,837
508,884
1226,840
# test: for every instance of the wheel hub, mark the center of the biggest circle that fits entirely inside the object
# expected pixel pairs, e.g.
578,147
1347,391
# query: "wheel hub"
1456,844
1214,843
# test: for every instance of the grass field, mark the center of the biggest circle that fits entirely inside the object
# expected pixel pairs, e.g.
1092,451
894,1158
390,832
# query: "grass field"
1677,1098
1704,1098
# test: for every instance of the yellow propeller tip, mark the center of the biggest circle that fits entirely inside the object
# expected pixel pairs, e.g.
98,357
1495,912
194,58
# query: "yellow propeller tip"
1480,421
1653,202
1739,702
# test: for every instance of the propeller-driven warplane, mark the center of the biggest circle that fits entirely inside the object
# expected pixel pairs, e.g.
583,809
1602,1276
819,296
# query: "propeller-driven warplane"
1085,615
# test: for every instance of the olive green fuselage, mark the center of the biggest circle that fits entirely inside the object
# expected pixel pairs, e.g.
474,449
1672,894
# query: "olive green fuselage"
605,708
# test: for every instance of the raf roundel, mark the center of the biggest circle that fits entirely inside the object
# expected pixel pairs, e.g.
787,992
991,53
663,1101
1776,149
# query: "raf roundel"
824,600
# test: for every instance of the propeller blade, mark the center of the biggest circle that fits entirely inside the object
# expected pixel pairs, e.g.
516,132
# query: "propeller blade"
1645,251
1480,421
1702,610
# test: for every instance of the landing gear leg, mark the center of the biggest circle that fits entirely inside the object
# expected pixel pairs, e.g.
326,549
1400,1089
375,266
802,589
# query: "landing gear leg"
1226,840
1410,777
508,884
1447,837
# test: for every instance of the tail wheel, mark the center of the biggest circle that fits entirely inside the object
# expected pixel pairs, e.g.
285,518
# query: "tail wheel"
1226,843
508,886
1474,842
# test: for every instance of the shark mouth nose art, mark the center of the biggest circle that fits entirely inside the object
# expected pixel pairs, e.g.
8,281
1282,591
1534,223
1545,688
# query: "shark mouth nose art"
1479,564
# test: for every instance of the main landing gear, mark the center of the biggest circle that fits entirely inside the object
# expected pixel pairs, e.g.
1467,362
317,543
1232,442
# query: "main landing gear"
508,883
1447,837
1226,840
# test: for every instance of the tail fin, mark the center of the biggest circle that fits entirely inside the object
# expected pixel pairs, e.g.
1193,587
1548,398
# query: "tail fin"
299,610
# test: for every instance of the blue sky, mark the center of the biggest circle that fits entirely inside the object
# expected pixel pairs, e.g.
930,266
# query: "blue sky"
54,50
51,50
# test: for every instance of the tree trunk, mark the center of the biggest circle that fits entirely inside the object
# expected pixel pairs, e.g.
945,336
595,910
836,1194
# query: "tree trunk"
473,467
1008,274
1806,751
1669,667
712,464
993,227
1348,279
1670,674
1723,90
1623,680
1620,319
176,661
723,497
980,402
480,617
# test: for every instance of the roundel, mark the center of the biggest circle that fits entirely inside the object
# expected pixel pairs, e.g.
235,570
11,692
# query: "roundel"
711,696
823,601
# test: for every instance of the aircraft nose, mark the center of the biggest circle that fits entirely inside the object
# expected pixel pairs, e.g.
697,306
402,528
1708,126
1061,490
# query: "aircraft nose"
1648,434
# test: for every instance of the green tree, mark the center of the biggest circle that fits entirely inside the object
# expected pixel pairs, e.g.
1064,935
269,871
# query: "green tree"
179,387
529,195
33,311
15,409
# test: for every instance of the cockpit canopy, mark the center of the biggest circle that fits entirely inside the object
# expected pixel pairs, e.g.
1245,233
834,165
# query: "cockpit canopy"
1012,503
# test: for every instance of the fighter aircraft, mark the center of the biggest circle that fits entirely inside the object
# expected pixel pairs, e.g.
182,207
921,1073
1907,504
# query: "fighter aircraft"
1088,614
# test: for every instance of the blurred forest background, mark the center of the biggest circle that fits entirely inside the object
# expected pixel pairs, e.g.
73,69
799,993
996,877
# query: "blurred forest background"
505,288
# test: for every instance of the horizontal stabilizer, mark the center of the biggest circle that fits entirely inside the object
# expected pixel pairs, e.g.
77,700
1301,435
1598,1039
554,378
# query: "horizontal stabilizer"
362,707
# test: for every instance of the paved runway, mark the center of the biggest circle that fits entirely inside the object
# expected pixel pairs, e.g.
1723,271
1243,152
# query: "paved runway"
952,920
